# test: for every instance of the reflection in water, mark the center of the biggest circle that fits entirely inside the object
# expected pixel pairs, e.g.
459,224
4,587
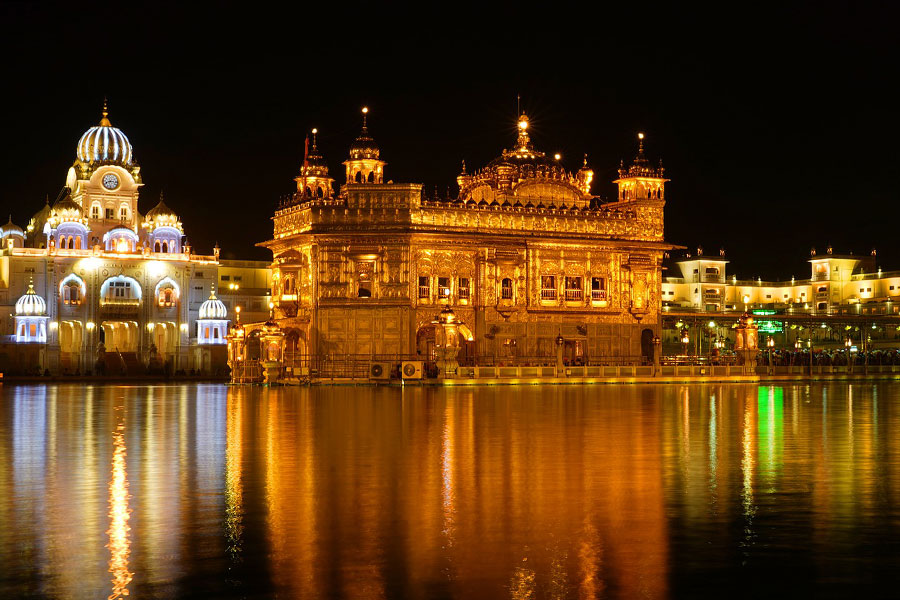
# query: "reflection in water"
119,542
520,492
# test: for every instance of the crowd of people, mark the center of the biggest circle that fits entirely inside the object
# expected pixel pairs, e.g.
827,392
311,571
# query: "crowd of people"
828,357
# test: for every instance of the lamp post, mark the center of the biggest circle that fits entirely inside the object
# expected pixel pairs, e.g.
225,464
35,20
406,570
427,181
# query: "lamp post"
848,343
770,343
559,352
657,351
685,340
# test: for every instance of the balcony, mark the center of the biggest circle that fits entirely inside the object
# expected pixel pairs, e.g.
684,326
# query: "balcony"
548,294
574,295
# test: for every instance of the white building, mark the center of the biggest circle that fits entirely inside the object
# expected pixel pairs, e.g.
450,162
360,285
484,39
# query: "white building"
117,288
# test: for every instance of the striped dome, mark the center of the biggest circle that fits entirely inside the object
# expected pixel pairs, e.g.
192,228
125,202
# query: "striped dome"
213,308
104,143
30,304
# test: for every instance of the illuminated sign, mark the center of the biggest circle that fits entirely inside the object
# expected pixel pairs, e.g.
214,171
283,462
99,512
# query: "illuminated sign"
762,311
770,326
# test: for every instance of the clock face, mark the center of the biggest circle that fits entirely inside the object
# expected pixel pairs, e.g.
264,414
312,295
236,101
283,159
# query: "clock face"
110,181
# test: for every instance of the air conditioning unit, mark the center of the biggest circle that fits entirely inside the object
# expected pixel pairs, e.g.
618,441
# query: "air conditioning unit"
413,369
379,370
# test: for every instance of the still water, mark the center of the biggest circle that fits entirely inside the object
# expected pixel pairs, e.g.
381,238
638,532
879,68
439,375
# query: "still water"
206,491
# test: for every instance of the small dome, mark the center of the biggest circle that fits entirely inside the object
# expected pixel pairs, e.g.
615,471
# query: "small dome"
66,208
31,304
364,146
11,229
104,143
213,308
159,210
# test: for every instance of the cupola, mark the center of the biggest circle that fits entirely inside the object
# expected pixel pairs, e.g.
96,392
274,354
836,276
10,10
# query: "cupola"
365,164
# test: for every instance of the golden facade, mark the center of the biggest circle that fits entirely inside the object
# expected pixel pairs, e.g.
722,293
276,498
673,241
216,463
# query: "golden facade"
525,256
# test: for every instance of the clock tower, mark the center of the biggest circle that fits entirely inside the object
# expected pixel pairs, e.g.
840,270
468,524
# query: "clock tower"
105,179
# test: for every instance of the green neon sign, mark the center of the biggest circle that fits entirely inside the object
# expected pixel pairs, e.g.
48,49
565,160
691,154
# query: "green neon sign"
766,326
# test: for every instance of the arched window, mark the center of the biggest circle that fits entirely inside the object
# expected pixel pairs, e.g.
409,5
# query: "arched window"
165,247
371,177
78,243
215,333
359,177
123,213
166,293
320,192
308,192
506,289
95,211
120,290
156,246
72,293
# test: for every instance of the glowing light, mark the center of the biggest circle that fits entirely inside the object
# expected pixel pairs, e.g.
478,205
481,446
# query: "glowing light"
155,268
122,246
271,305
315,131
237,309
365,110
640,136
523,124
90,263
53,324
557,156
150,326
90,325
184,326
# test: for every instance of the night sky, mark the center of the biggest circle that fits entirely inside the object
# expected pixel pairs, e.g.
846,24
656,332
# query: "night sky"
777,124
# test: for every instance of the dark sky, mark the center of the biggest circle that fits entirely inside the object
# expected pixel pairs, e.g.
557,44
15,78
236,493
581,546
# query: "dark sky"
777,124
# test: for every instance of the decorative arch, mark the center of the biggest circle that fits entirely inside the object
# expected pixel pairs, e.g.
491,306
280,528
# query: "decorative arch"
119,238
166,292
120,290
72,289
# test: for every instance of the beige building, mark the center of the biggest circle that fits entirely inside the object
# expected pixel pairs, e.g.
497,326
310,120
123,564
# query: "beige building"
526,257
839,284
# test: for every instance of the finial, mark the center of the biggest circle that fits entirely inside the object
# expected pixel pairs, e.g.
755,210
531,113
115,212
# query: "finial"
47,199
585,159
314,133
365,111
104,120
641,143
524,140
161,196
463,172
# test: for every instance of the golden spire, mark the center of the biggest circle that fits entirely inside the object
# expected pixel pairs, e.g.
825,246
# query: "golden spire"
314,133
365,111
104,121
640,143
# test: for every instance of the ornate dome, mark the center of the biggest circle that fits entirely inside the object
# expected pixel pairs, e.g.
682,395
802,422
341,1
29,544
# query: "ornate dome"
11,229
213,308
66,209
159,210
104,143
364,146
31,304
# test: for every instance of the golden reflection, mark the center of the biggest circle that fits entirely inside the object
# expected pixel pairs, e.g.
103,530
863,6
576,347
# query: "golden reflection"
119,513
233,482
447,462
